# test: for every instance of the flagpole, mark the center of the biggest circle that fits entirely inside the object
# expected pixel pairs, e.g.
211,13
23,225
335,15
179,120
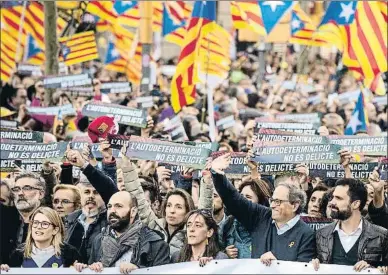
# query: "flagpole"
21,29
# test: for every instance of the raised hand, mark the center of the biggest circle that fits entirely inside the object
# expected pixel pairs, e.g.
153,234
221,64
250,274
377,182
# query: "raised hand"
221,163
106,151
145,132
75,158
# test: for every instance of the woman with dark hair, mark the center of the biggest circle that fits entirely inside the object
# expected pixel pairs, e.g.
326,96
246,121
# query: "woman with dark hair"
236,238
201,241
325,208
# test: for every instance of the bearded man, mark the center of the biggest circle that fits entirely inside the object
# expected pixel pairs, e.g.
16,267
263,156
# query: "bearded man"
126,242
351,240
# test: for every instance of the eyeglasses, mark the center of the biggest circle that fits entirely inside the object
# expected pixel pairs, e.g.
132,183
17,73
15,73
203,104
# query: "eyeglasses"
65,201
277,202
25,189
44,225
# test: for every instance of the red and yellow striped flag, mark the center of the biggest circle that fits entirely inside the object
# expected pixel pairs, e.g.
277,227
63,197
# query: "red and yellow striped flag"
78,48
247,15
365,48
202,22
11,22
302,29
103,9
7,55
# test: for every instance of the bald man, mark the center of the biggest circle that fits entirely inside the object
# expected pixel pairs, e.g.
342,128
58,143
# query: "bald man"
126,243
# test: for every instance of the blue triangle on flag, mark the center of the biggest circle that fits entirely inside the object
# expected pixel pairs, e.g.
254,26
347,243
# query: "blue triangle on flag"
296,23
169,25
358,120
340,12
123,6
205,9
32,48
273,11
112,54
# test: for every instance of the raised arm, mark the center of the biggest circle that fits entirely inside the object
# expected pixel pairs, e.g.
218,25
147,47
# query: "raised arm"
206,192
133,186
248,213
378,208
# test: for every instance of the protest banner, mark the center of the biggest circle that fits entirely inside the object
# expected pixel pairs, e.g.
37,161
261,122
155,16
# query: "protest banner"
314,118
118,141
29,70
226,122
32,165
94,149
297,153
116,87
316,223
321,170
145,102
81,91
35,152
53,110
251,113
213,146
167,152
10,124
229,266
121,114
174,127
24,136
269,136
302,128
381,101
365,145
347,97
66,81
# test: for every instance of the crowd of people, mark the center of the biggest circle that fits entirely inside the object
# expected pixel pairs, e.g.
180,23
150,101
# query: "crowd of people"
128,213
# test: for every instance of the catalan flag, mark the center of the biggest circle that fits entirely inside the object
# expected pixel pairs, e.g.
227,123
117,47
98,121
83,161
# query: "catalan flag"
172,30
33,54
122,6
302,28
273,11
359,120
104,10
78,48
178,10
34,22
202,22
11,22
113,60
247,14
366,41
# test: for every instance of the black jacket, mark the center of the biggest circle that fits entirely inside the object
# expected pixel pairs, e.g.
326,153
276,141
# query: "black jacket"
151,249
75,233
379,216
10,225
372,248
69,254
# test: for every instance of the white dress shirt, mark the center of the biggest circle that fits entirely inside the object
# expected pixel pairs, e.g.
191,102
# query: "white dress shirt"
290,224
348,240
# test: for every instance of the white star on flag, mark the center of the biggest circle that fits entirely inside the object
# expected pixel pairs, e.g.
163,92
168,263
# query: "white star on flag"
295,24
35,44
347,11
126,3
354,122
115,53
273,4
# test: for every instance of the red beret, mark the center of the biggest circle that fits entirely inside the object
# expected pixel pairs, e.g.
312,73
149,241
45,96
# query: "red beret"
101,127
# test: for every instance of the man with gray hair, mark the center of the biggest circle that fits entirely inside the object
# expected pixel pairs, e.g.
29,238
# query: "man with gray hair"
82,226
28,193
277,231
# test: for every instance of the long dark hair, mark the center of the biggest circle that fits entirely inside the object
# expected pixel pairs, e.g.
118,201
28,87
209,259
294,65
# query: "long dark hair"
213,246
260,188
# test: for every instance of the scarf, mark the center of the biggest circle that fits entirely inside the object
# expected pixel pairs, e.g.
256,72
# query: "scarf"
113,248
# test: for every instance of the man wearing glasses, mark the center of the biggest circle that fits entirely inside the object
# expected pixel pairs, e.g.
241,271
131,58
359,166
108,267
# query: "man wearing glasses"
277,231
28,192
66,199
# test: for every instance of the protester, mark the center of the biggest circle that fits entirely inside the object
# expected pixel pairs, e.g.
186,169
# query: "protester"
28,192
44,246
351,240
66,199
290,238
201,241
126,243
